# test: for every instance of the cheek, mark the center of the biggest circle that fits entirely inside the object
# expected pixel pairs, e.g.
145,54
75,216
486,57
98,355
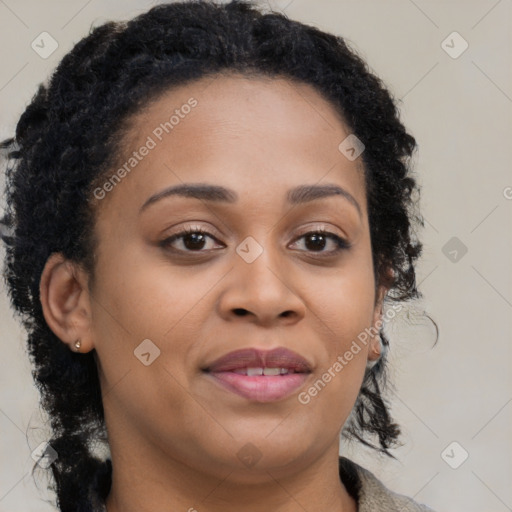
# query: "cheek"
140,298
148,296
344,302
344,316
136,301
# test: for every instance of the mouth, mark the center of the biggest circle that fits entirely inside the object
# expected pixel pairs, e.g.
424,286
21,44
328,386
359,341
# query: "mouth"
261,376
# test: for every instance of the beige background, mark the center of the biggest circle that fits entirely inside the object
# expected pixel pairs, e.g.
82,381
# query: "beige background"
459,109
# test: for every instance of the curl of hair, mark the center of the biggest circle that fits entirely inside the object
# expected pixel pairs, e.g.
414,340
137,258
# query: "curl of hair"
68,138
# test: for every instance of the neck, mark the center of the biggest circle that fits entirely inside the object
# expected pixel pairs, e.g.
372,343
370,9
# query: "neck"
153,483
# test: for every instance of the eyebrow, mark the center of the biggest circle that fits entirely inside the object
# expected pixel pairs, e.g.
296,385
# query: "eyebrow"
216,193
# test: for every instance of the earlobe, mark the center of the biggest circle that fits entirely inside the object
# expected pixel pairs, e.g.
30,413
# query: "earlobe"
375,351
375,345
65,302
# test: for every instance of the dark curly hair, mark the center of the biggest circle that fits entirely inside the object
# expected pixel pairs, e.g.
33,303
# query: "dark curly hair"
71,133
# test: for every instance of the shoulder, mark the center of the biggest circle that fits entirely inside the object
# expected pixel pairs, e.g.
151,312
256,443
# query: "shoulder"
371,494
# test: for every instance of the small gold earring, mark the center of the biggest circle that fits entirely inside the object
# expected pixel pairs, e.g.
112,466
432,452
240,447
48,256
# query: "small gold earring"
78,344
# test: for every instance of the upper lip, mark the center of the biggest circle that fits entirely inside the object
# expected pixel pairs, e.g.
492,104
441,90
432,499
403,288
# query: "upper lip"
255,358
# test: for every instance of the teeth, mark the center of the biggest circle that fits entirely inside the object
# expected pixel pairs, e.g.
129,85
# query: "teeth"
262,371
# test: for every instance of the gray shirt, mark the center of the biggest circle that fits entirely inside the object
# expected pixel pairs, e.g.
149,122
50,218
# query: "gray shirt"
370,493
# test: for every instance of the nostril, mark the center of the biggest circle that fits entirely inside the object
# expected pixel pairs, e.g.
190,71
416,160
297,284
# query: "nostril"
240,311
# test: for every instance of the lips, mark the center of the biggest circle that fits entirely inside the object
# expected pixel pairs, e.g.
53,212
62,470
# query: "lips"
261,376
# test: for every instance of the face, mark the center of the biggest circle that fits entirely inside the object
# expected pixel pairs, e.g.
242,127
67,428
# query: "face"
253,272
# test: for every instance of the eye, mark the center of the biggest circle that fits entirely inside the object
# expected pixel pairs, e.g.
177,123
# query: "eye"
192,239
318,240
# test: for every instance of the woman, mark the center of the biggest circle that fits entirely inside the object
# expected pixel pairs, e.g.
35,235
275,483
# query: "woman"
210,208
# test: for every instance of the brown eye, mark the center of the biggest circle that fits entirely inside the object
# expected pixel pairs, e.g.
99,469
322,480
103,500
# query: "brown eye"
318,240
192,240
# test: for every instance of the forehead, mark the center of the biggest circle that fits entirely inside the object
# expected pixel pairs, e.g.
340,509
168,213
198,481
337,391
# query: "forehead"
233,92
254,132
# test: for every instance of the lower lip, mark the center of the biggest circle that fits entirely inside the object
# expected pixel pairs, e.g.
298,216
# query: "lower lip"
261,388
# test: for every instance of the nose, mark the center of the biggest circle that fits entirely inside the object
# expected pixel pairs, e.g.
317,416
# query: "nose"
261,292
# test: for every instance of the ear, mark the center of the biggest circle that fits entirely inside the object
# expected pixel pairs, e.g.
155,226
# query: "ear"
374,351
65,301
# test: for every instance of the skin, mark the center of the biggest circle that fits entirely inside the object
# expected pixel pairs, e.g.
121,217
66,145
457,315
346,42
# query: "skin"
174,435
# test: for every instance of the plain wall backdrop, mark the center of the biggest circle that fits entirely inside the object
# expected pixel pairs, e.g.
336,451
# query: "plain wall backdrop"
449,65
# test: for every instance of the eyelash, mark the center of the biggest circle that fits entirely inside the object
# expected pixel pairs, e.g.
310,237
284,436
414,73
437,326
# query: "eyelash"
341,243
